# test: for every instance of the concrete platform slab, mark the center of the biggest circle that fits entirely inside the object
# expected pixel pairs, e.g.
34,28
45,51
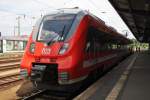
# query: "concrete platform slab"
101,89
138,85
130,80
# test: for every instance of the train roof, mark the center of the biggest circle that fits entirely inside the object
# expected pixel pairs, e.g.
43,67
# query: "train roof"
68,11
110,29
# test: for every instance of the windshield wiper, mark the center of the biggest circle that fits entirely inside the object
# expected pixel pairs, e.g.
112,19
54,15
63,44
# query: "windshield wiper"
52,40
57,37
63,32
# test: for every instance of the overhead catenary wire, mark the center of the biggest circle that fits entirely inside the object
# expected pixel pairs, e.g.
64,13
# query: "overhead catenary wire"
67,2
44,4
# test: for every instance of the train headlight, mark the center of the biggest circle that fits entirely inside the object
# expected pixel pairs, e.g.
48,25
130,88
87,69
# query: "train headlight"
32,47
64,48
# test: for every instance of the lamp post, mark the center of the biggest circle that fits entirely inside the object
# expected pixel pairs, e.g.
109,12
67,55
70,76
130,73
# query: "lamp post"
33,18
18,22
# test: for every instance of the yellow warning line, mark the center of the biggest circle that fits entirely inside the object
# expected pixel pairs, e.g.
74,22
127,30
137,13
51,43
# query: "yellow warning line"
117,88
114,93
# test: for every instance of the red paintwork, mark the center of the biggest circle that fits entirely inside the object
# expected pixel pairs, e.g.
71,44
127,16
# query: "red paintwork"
72,60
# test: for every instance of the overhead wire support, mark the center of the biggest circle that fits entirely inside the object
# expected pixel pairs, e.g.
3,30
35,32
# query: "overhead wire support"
18,19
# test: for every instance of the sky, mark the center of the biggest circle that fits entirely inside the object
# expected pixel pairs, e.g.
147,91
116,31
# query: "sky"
29,11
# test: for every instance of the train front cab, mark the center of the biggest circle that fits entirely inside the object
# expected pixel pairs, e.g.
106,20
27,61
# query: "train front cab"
56,65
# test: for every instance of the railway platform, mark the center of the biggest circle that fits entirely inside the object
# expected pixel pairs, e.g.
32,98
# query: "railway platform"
128,81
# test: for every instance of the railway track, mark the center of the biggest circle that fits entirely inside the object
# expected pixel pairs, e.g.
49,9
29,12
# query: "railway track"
8,79
9,66
47,95
9,57
9,60
9,71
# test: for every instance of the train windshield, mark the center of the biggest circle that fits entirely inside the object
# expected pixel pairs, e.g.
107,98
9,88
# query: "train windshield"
55,27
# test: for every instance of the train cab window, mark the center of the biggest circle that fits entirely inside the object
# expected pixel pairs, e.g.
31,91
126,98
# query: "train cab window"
55,27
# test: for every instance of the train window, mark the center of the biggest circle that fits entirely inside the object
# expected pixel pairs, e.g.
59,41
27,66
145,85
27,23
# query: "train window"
109,46
9,45
55,27
98,41
90,44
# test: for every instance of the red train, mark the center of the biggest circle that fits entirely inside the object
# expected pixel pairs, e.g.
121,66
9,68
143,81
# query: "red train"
67,47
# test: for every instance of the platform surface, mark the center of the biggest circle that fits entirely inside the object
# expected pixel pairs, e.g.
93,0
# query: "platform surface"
137,86
130,80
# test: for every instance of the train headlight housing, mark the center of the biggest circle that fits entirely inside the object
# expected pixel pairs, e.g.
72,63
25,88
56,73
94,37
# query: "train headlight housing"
64,48
32,47
64,76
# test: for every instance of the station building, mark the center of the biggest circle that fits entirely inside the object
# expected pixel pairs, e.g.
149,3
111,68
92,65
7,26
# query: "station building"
13,43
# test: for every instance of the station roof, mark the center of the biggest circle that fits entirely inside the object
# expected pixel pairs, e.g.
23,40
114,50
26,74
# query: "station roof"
136,14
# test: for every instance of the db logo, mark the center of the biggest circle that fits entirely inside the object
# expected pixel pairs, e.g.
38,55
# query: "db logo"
46,51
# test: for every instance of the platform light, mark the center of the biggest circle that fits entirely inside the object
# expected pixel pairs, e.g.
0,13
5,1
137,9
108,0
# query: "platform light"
64,48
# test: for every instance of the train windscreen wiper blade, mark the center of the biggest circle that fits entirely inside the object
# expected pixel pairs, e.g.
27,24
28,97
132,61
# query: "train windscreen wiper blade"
63,32
54,39
57,37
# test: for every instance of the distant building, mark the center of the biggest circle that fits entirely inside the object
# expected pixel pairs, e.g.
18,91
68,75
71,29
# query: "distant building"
13,43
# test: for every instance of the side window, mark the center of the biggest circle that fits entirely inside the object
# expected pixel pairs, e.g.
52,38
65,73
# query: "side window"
103,41
99,41
90,40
